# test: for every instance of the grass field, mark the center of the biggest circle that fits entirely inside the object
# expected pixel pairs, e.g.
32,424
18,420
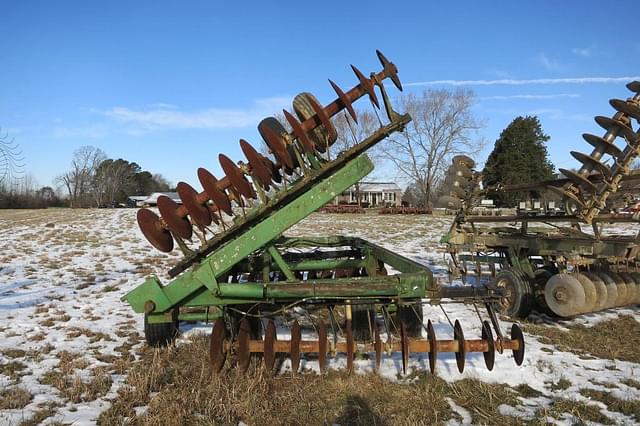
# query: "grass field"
72,353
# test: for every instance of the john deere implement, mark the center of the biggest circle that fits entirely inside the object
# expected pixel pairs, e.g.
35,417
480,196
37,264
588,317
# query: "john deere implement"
569,264
250,281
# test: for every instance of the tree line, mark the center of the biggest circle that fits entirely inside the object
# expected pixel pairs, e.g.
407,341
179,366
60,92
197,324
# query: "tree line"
93,180
97,181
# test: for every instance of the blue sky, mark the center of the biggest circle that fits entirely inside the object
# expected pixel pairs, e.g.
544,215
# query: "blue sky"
171,84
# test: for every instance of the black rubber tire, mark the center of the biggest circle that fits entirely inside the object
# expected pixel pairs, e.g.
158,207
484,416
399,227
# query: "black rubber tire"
160,334
412,323
363,319
519,300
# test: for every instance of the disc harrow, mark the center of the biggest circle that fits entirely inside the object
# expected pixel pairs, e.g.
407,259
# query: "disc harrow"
323,348
560,270
244,276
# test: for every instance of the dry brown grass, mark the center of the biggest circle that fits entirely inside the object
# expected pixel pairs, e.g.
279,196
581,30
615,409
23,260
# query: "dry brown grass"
14,398
628,407
177,386
45,411
581,412
13,369
75,389
612,339
70,385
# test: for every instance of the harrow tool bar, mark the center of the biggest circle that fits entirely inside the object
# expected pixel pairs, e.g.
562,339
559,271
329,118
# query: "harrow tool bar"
269,347
295,152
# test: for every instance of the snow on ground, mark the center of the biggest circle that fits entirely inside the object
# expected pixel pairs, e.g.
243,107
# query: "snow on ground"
66,338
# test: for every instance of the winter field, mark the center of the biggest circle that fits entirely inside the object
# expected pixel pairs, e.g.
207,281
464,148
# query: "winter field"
72,353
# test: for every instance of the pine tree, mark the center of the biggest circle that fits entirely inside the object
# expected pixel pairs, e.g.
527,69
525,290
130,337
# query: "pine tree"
519,156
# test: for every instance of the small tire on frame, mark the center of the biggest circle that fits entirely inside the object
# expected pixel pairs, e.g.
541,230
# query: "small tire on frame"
519,298
160,334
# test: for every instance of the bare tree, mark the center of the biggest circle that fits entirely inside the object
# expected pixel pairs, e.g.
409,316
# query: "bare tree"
442,126
351,133
79,180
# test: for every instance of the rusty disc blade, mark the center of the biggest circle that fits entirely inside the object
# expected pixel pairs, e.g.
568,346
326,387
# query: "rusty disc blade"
299,133
490,354
605,146
322,346
296,337
169,211
592,163
153,231
626,107
433,347
275,172
332,134
391,70
345,100
634,86
349,336
516,334
217,352
236,176
304,111
377,345
579,180
610,124
244,356
458,335
198,212
404,343
269,355
218,196
367,86
259,169
268,129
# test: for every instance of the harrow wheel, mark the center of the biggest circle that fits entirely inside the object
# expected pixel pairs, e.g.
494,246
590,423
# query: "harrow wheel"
601,291
565,295
518,299
632,289
590,293
160,334
612,289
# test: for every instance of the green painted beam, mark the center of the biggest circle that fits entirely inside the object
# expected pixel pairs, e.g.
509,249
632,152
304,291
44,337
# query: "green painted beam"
222,260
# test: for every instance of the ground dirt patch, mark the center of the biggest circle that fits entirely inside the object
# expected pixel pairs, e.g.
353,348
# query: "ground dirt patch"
612,339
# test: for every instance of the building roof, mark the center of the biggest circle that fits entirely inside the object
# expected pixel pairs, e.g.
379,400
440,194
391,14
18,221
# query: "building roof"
153,198
377,187
138,197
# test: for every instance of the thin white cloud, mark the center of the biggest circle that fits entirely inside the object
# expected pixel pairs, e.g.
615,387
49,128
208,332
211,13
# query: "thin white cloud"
550,64
162,117
523,82
585,52
528,96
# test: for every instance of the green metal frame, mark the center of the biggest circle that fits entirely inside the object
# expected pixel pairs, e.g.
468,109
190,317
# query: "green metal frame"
203,291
